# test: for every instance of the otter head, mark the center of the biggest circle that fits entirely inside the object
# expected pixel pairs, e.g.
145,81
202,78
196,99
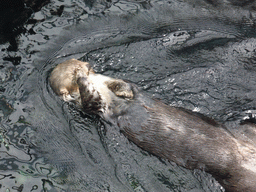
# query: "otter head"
74,80
63,79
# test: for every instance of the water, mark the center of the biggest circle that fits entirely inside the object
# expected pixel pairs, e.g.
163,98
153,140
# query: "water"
190,54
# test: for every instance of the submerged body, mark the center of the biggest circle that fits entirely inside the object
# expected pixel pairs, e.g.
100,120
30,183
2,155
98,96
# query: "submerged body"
186,138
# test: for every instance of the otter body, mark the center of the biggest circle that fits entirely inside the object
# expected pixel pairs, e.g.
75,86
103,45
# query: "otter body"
186,138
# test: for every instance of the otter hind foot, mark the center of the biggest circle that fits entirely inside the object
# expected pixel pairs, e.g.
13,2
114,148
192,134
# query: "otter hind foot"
90,98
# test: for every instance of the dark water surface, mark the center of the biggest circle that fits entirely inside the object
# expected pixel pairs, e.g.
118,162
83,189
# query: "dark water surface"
200,55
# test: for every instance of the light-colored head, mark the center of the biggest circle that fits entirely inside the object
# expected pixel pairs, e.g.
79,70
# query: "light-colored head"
63,79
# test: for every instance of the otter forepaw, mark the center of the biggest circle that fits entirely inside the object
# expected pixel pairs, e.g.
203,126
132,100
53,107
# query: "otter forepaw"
90,98
121,89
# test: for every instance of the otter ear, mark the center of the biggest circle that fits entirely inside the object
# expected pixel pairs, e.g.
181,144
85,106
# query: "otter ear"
121,89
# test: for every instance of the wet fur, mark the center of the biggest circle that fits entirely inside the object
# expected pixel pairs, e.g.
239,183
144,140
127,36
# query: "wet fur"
189,139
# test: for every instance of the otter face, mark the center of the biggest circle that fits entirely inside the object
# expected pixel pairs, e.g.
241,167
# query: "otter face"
63,79
74,80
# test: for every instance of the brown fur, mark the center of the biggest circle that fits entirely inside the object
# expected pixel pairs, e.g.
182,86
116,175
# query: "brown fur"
189,139
194,143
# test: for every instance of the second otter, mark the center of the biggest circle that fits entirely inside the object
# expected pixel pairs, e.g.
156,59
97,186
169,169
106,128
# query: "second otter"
189,139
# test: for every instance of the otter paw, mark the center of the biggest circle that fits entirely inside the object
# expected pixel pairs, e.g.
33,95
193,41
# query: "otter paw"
121,89
90,98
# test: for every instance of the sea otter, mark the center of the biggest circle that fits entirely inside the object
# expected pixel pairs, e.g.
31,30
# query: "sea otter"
189,139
